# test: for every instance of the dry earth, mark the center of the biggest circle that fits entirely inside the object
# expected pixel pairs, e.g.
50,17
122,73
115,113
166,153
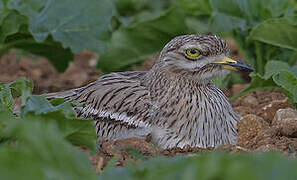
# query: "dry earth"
269,121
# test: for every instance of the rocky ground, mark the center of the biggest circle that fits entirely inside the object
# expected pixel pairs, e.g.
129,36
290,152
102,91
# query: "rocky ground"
269,121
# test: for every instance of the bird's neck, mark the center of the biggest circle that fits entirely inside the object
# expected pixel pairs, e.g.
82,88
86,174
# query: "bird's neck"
158,77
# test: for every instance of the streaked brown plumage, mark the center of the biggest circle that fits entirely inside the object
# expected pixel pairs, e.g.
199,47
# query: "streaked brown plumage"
175,101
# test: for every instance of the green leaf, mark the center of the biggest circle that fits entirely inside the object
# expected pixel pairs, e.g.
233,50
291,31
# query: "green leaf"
137,42
131,11
220,22
287,81
281,7
11,24
277,32
29,8
76,24
21,87
14,33
294,70
232,14
233,8
41,153
273,67
10,91
38,105
55,29
226,18
53,50
77,131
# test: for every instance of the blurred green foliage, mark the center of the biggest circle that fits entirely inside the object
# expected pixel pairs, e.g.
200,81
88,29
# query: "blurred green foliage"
209,166
37,143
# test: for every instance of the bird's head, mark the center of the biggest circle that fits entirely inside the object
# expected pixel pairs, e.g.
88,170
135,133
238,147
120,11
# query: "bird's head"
200,56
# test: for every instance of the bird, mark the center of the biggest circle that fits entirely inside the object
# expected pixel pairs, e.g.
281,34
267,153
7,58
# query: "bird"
175,101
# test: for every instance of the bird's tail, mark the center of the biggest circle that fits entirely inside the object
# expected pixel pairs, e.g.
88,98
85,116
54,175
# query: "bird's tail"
63,94
67,95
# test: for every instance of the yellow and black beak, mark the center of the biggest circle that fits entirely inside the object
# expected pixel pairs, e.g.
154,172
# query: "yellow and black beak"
231,64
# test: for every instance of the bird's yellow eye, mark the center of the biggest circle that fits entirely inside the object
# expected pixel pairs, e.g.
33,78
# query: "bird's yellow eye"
192,53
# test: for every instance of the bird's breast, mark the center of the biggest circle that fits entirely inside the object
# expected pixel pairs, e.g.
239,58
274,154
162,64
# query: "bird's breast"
197,116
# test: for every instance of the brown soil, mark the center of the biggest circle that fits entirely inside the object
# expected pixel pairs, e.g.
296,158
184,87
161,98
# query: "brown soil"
45,77
269,121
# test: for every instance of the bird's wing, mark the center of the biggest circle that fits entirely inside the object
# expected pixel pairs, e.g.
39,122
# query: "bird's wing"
117,98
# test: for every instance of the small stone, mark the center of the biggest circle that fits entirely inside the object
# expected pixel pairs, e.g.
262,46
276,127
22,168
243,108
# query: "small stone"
286,119
250,100
269,110
248,129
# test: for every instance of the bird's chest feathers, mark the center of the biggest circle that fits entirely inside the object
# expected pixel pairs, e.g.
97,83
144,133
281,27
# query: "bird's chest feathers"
184,107
200,116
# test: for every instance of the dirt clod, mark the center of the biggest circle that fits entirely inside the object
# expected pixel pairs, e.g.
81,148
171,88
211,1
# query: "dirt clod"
248,129
286,119
124,150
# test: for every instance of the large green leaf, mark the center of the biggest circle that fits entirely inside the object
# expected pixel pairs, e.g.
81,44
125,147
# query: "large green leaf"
140,41
76,24
29,8
277,32
10,23
221,22
226,18
41,153
54,28
273,67
39,135
251,12
78,131
14,33
288,81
